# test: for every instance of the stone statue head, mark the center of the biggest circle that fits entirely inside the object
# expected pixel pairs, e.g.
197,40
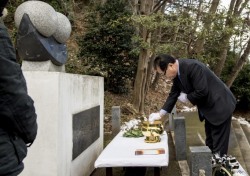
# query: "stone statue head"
42,33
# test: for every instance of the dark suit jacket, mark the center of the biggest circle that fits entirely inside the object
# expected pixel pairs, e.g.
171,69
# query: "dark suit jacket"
214,100
18,125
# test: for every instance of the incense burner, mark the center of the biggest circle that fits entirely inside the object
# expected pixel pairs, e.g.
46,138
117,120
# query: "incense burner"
152,131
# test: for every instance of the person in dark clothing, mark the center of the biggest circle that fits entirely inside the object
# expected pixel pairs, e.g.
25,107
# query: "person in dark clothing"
194,82
18,126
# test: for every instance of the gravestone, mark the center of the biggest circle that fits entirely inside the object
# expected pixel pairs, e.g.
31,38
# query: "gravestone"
116,120
171,118
180,138
201,159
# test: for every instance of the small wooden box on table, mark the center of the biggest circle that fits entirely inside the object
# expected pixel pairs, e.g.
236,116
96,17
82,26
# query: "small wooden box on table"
120,152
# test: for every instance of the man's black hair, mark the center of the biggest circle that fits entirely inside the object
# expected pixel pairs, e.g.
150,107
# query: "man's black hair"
162,61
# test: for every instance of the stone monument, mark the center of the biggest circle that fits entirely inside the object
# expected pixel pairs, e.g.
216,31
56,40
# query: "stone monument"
42,34
69,107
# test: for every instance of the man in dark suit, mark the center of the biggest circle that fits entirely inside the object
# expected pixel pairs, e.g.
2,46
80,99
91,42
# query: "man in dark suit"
194,82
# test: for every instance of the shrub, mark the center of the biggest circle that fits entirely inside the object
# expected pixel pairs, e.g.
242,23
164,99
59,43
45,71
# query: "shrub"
107,45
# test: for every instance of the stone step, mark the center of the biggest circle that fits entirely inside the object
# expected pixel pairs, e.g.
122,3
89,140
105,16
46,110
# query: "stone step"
234,149
238,145
246,129
184,168
243,145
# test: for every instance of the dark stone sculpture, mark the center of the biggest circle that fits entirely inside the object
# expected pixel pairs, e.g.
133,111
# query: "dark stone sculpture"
32,46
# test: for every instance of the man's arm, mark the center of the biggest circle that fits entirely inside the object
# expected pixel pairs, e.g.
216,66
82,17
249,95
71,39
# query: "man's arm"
172,97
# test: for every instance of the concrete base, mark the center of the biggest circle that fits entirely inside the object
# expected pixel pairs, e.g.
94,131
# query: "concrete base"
42,66
57,97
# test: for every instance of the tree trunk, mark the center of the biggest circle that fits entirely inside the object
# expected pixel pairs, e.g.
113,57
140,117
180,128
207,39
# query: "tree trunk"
222,56
199,44
225,41
158,39
234,11
149,72
140,82
142,75
146,7
190,50
155,81
238,66
134,6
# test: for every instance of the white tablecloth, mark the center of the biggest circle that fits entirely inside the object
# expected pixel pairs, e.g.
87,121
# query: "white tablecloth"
120,152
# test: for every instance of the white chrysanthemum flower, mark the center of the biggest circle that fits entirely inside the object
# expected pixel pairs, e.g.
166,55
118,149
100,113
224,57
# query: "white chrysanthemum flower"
130,125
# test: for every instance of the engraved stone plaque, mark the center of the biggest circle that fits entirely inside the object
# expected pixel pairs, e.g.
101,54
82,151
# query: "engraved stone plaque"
86,129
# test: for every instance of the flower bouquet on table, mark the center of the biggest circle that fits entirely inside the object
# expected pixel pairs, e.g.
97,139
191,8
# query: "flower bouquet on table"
142,127
132,128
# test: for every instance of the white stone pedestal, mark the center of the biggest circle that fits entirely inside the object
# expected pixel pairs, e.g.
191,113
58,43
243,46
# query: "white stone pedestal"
41,66
57,97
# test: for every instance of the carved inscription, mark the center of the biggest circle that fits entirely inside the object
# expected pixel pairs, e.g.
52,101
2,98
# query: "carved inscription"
86,129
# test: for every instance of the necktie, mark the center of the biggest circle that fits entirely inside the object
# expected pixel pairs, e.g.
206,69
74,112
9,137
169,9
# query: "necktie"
180,79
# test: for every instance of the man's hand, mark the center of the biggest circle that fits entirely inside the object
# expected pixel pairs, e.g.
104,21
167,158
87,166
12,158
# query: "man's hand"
183,98
153,117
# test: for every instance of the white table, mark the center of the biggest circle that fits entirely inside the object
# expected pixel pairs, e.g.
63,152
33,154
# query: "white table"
120,152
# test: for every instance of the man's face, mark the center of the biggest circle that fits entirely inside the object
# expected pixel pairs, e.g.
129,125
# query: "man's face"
170,72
